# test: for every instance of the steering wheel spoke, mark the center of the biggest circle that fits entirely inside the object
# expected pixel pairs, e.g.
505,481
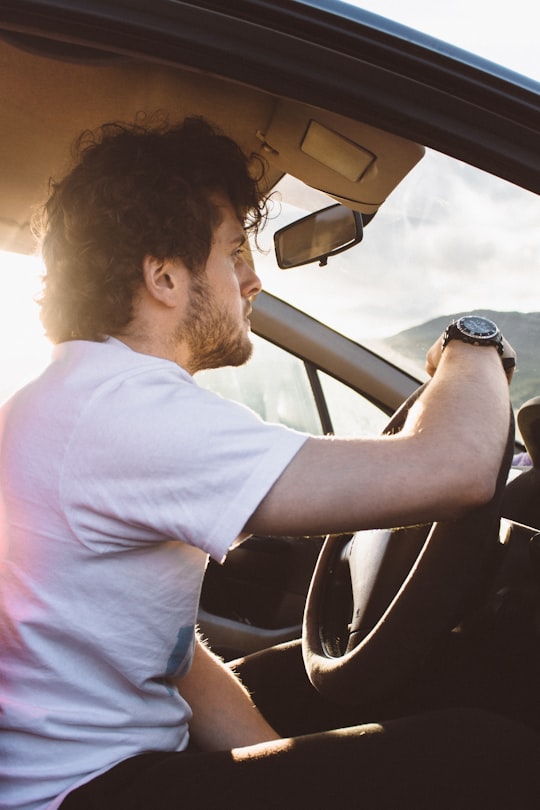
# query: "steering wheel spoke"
367,552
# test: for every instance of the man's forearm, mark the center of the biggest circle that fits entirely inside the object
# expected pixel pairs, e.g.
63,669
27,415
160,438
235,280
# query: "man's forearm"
444,462
224,716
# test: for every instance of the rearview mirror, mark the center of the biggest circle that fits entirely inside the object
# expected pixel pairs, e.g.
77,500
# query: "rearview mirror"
318,236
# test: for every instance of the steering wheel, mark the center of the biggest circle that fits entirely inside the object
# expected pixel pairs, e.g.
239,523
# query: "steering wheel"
379,599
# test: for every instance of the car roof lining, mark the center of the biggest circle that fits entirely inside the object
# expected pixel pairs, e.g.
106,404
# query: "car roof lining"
51,91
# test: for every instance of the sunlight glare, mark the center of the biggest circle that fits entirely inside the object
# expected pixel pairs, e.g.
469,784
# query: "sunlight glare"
24,349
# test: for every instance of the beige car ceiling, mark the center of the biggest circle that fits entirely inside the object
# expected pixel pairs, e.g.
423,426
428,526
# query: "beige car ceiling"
46,102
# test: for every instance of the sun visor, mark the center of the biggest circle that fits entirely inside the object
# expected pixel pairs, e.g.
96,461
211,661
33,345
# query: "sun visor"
355,163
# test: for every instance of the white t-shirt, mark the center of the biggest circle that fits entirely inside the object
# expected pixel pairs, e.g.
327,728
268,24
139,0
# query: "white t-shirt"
119,475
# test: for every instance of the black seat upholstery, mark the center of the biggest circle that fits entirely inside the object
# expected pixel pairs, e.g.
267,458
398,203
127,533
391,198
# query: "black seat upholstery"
521,500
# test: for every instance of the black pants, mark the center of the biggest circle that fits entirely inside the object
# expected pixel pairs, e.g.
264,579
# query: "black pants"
454,759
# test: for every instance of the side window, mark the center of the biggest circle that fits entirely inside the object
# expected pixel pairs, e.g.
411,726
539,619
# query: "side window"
351,413
273,383
276,385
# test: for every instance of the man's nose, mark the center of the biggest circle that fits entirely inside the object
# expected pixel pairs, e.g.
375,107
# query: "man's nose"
251,284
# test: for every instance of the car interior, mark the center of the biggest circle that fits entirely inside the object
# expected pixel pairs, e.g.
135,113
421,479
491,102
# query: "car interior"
483,594
69,90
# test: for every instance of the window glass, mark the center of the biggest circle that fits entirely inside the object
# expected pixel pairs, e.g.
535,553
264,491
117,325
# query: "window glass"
273,383
351,414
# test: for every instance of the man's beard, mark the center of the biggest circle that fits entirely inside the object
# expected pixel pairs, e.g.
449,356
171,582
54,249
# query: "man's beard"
213,337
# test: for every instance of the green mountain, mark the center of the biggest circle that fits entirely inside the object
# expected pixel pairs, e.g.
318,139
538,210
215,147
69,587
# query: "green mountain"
521,329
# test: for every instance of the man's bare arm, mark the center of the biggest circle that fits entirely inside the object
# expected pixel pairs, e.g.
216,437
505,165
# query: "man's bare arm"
224,716
444,461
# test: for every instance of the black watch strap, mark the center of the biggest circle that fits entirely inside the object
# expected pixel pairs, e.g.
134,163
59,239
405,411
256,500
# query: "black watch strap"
478,331
467,330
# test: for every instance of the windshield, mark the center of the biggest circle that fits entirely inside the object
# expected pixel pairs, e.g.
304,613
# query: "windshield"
449,240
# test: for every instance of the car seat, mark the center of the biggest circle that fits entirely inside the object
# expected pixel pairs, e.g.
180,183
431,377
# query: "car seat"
521,501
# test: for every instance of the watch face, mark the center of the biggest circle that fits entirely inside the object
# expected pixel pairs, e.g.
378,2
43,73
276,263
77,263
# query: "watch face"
477,326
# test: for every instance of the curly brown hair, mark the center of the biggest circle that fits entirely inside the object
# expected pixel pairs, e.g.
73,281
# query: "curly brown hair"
136,190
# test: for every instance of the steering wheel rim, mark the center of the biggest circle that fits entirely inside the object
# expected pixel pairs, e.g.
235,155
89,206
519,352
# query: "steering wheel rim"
387,636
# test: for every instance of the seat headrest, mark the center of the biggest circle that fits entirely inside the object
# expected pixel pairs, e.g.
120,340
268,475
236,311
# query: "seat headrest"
528,419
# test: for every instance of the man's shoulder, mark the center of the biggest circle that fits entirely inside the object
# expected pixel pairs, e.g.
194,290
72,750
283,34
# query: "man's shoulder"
78,362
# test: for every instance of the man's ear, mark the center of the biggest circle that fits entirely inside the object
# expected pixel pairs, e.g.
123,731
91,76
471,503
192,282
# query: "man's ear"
164,280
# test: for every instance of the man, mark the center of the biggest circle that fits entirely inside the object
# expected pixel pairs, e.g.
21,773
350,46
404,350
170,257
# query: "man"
120,476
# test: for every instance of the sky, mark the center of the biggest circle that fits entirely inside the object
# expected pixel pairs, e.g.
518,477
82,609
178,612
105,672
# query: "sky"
503,32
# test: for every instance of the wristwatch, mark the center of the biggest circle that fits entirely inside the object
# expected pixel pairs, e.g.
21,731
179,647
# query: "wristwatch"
474,329
479,331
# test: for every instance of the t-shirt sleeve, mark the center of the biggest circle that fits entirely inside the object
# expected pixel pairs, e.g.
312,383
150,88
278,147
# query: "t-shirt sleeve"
168,461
